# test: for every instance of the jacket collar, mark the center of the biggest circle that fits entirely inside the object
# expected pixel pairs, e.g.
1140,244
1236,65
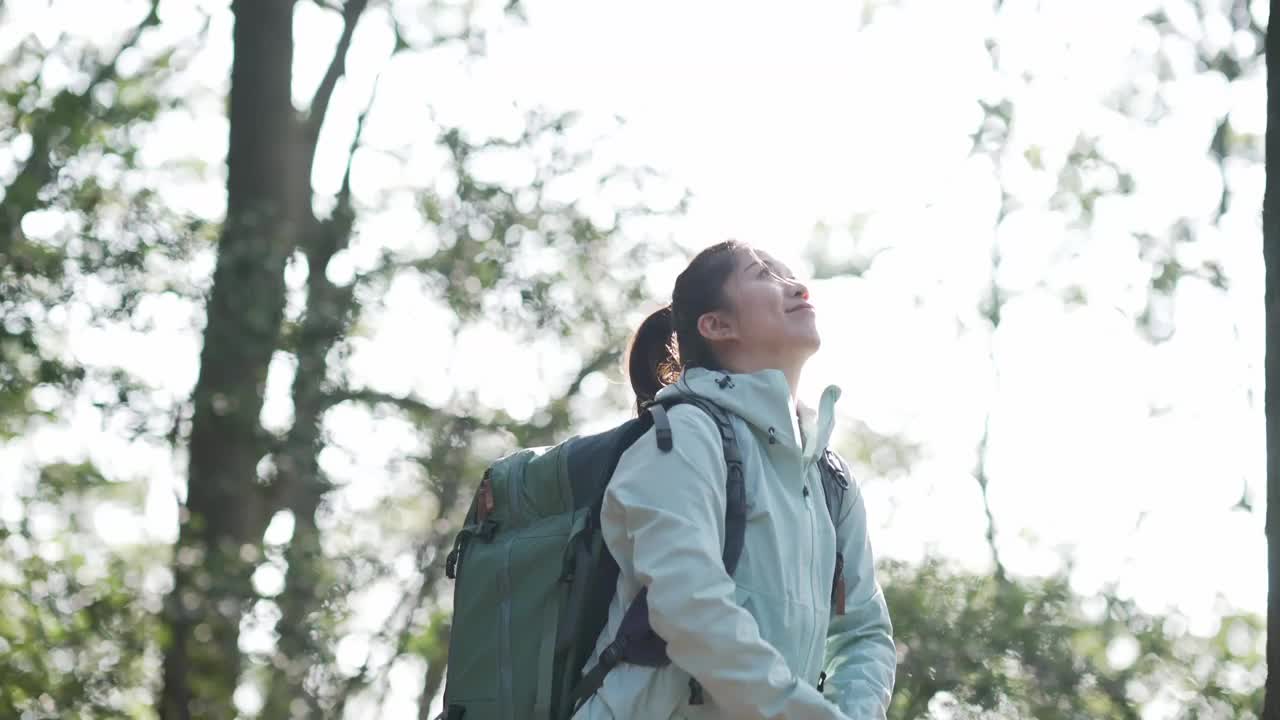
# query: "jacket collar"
763,400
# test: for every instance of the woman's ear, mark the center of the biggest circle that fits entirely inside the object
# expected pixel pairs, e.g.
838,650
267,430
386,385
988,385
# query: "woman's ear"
717,326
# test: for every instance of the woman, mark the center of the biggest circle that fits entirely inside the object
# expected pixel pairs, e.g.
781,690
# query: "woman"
757,643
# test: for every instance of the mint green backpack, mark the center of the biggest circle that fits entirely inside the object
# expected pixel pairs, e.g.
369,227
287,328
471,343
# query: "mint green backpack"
534,580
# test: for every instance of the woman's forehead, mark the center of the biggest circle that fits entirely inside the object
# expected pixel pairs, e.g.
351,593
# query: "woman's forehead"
753,256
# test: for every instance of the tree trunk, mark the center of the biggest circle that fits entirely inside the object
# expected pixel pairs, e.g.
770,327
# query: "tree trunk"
303,485
1271,257
299,484
221,525
435,670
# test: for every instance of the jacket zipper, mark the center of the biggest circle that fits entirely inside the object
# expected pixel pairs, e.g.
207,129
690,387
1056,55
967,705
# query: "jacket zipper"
813,556
505,670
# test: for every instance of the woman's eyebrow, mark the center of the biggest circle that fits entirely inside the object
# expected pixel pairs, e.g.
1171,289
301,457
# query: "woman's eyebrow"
772,266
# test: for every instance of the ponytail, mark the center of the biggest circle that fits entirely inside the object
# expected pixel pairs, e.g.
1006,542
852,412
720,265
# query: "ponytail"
653,361
668,341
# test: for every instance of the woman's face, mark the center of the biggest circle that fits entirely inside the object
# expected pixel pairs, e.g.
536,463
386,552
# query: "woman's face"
769,316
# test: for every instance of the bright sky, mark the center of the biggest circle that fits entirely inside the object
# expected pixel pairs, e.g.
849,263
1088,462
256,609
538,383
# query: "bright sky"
779,121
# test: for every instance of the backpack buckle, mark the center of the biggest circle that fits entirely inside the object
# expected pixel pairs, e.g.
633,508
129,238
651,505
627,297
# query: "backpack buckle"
485,531
451,565
836,469
610,656
696,696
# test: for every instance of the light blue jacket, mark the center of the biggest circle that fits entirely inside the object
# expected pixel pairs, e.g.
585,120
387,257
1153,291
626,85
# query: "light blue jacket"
758,641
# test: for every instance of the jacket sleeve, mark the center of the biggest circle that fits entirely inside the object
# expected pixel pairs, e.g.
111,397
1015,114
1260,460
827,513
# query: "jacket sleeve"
861,656
671,509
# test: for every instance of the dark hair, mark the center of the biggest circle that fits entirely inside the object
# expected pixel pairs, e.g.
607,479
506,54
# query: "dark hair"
668,341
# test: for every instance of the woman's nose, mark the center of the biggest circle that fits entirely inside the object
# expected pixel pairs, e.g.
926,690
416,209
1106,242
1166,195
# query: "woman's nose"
800,289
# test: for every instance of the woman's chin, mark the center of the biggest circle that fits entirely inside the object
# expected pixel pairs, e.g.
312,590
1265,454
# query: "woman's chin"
811,335
808,343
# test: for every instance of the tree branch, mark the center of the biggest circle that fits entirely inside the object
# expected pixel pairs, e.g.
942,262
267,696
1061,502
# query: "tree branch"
992,309
398,628
344,193
602,360
453,457
319,106
373,397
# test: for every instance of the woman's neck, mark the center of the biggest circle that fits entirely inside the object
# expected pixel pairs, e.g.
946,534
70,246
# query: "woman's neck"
746,364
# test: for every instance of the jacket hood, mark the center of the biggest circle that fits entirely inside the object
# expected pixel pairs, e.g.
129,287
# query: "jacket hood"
763,400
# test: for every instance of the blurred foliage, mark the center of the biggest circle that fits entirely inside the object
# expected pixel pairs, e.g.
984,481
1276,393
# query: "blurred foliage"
975,647
1008,647
77,215
1206,44
77,637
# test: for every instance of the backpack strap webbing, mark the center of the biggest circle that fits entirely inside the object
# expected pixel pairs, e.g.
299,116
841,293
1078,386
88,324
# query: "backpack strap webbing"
661,427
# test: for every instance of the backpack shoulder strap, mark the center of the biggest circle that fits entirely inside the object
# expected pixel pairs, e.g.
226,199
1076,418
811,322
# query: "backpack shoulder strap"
836,480
735,525
636,642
